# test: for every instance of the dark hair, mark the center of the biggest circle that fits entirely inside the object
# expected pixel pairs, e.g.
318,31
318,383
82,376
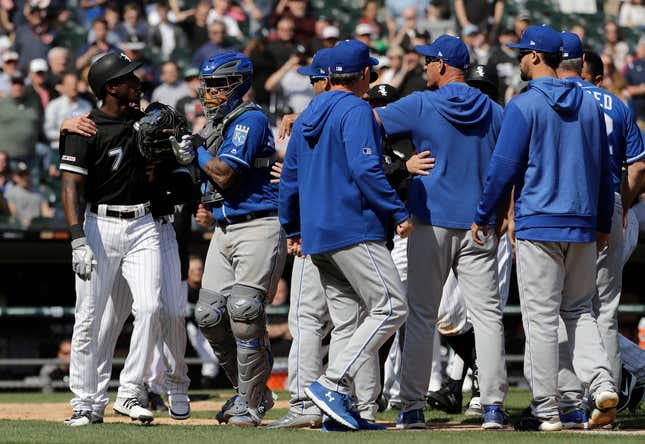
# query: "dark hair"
100,20
346,79
593,63
552,60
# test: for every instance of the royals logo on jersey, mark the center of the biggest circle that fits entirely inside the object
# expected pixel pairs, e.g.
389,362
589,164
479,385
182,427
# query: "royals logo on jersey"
240,135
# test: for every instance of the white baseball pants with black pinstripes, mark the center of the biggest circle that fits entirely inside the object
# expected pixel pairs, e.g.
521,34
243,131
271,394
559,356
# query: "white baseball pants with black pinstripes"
172,334
361,274
122,248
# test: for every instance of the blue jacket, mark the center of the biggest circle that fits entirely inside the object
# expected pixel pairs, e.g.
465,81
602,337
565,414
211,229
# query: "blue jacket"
333,191
459,125
553,148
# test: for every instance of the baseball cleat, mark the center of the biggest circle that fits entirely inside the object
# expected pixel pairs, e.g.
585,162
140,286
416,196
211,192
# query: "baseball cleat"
574,419
329,425
474,407
494,418
80,418
637,398
249,419
627,384
226,412
604,411
295,420
132,408
412,419
179,406
333,403
532,423
156,402
447,399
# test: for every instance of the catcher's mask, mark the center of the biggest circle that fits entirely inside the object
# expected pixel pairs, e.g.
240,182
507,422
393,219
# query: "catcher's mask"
155,128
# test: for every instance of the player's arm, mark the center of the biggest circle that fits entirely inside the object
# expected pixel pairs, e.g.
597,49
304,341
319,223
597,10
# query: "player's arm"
289,200
635,152
72,195
217,170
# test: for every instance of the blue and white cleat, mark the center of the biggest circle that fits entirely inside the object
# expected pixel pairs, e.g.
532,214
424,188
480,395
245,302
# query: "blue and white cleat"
333,403
494,418
574,419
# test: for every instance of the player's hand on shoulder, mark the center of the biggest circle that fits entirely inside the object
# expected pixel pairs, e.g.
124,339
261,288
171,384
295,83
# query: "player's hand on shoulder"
286,124
204,217
405,228
82,125
184,149
83,261
420,163
276,171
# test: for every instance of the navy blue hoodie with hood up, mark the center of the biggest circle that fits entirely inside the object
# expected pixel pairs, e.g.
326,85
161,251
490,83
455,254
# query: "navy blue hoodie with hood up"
333,191
459,125
553,148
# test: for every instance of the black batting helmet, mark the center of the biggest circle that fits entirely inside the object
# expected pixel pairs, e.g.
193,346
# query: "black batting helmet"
109,67
155,128
484,79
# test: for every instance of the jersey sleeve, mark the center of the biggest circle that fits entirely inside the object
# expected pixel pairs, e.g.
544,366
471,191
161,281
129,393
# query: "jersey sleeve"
76,152
396,116
245,139
634,145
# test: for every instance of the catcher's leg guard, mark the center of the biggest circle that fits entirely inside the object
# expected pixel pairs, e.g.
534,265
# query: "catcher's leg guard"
248,322
213,321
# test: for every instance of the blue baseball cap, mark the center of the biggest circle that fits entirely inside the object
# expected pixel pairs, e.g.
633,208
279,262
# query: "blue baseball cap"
319,65
571,46
350,56
449,49
540,38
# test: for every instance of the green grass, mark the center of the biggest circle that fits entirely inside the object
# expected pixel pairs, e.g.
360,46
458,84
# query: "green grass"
53,432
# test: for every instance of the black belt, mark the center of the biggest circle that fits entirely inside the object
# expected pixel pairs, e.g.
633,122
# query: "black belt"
230,220
124,214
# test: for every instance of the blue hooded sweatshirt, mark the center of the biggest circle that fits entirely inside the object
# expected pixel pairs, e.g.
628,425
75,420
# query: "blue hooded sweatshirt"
333,191
553,148
459,125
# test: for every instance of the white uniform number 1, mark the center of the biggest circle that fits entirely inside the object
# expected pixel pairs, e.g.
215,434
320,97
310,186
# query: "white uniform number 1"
117,153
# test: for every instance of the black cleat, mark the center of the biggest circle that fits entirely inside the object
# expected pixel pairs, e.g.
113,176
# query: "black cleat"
448,399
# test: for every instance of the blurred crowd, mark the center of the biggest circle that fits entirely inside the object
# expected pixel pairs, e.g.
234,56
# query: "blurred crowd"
47,46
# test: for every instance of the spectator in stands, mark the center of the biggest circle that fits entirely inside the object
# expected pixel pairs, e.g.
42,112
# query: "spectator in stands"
263,67
395,8
395,58
34,38
166,36
615,47
579,30
38,75
132,25
221,12
521,22
70,34
113,18
370,17
92,9
477,44
407,29
612,81
635,77
632,14
438,20
217,43
172,87
195,26
484,14
366,34
5,173
58,60
68,104
330,36
24,203
98,45
284,45
190,105
9,68
297,11
57,372
503,61
294,88
412,76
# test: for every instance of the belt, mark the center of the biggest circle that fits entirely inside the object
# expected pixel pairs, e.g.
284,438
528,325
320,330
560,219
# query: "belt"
230,220
122,213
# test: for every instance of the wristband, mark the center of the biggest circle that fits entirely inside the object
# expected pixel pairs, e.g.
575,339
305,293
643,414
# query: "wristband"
76,231
203,157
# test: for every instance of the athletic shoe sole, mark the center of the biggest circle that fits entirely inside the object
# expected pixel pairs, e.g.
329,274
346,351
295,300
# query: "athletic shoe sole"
143,418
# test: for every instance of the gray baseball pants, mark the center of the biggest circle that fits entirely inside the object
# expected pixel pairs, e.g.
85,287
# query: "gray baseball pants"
554,282
362,274
432,253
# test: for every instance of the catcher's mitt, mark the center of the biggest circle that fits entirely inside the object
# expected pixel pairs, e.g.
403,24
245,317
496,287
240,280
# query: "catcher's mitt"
155,128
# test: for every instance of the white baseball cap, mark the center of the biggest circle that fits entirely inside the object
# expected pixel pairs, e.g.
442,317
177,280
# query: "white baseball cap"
9,55
330,32
38,65
363,29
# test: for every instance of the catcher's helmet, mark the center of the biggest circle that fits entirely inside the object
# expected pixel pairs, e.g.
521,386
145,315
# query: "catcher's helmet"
109,67
225,78
155,128
484,79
